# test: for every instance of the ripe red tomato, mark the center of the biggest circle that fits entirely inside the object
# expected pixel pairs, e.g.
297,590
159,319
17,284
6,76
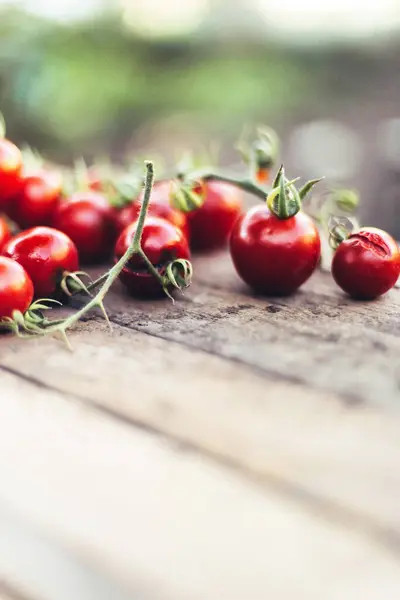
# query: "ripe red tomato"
5,233
10,171
162,243
45,254
211,224
124,217
274,256
16,288
366,264
37,199
89,220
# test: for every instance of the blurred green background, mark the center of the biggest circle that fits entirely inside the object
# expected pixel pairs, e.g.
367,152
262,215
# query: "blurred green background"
96,76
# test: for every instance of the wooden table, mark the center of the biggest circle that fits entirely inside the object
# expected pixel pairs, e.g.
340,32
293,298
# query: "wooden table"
226,447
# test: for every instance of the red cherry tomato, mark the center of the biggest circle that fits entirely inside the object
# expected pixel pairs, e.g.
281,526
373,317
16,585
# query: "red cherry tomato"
89,220
366,264
274,256
162,243
45,254
124,217
5,233
211,224
10,171
16,287
37,199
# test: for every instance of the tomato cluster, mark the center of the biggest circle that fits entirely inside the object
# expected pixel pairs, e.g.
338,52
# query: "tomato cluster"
46,233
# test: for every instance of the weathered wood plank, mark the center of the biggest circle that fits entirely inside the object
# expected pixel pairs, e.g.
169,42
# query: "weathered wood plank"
317,337
170,522
308,445
7,593
34,567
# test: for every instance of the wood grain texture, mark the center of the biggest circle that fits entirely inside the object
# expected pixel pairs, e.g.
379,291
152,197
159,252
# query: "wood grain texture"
295,400
339,459
317,337
168,523
7,593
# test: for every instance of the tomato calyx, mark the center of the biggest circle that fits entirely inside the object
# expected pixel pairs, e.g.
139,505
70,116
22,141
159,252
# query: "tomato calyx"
340,229
178,274
260,153
33,321
72,283
284,200
187,196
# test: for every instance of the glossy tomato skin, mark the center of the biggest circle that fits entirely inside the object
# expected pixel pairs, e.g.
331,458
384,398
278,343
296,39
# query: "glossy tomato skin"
366,264
45,254
10,171
211,224
162,243
160,206
274,256
89,220
16,287
37,200
5,233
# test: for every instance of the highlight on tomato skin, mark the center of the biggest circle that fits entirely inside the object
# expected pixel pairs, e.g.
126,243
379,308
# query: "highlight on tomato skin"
274,256
37,199
10,171
89,220
5,232
16,288
45,253
162,242
366,265
211,224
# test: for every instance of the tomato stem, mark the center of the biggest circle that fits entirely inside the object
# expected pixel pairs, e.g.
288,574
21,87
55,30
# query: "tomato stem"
244,184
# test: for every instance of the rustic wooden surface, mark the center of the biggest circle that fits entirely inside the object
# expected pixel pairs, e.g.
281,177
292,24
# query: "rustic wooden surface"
226,447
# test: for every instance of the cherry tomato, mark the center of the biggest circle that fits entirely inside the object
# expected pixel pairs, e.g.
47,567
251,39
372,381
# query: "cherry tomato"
5,233
37,199
16,287
45,254
89,220
274,256
263,175
211,224
162,243
366,264
124,217
10,171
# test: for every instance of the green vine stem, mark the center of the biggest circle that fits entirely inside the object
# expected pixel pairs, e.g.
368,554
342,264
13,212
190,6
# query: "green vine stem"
244,184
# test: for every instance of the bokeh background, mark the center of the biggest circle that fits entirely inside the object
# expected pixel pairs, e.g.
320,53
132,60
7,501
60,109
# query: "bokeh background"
95,77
